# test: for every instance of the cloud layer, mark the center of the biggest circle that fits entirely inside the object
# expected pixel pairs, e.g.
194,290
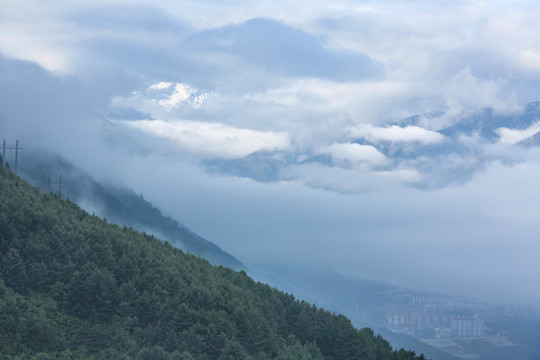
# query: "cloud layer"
212,140
396,133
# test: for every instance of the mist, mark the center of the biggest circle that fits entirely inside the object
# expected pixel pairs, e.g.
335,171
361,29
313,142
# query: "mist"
147,95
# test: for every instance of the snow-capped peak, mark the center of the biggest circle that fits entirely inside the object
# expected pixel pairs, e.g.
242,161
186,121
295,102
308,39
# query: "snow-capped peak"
173,95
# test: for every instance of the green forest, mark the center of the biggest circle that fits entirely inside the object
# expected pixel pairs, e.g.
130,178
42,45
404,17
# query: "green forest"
73,286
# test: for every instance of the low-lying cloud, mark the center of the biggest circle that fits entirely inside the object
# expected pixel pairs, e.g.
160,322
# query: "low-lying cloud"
213,140
395,133
354,155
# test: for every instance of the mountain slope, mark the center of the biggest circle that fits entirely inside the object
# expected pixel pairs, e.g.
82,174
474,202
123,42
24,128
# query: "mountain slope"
117,204
74,286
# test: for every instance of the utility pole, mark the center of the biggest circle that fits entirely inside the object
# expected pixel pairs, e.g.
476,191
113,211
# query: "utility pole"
4,152
48,182
60,186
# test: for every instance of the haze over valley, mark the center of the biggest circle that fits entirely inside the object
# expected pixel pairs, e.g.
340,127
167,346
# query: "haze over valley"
389,143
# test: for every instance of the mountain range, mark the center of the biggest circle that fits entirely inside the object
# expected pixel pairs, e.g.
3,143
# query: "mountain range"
440,155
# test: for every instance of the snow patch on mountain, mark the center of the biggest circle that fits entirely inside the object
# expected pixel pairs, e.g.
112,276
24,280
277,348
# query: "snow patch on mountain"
173,95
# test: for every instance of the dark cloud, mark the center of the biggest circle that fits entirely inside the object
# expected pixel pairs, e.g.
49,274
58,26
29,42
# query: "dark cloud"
145,41
34,101
277,47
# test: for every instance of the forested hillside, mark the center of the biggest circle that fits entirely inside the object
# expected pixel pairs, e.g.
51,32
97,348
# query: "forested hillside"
73,286
118,204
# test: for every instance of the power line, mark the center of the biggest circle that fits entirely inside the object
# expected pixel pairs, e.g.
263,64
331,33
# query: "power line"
18,148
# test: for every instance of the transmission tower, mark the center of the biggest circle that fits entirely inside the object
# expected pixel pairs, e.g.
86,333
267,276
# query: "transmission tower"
16,148
59,182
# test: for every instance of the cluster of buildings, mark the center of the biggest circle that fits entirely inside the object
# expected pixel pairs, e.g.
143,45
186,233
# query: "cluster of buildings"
437,317
435,326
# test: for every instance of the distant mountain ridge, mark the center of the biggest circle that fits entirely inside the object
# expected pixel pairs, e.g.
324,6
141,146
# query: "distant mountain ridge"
118,204
487,121
459,153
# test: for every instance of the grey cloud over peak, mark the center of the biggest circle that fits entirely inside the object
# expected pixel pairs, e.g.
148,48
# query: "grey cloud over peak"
277,47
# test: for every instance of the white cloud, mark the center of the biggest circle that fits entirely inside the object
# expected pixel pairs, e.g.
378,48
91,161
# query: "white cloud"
465,93
530,59
360,102
53,57
396,133
354,155
213,140
161,85
346,180
402,174
513,136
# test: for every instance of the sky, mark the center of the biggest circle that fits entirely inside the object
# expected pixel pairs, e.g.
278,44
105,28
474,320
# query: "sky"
184,101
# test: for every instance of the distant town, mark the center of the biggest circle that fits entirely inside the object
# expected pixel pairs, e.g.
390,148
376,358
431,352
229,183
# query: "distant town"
439,316
445,322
